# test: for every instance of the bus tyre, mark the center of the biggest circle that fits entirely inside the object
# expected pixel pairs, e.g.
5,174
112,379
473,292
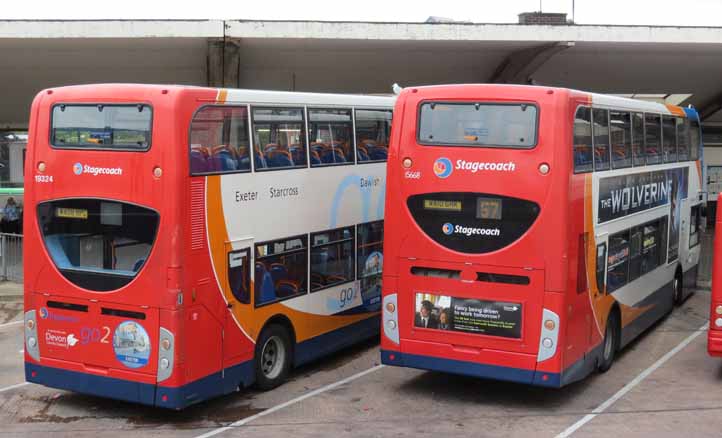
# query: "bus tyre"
610,345
272,357
678,288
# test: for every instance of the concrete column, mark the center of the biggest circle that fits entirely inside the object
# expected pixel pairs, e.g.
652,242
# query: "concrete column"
224,63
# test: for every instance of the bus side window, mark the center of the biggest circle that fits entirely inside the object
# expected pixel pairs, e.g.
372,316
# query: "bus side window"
638,139
694,140
330,133
620,128
373,130
618,261
280,270
635,254
239,274
370,258
601,259
652,136
332,258
583,140
669,139
600,133
219,140
682,139
279,138
695,222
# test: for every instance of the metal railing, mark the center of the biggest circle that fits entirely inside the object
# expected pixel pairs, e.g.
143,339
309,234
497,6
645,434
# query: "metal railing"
11,257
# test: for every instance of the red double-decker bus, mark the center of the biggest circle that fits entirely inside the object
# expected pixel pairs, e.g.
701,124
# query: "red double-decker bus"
714,336
532,232
182,242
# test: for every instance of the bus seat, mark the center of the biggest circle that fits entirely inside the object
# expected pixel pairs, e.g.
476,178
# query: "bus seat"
278,272
270,147
332,279
315,159
378,153
199,164
332,155
298,154
362,154
286,288
268,291
278,158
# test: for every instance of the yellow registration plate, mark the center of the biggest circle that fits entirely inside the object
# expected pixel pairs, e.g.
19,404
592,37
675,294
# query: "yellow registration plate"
71,213
437,204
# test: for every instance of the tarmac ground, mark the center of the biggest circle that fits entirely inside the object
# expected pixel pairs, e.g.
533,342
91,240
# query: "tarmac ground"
663,384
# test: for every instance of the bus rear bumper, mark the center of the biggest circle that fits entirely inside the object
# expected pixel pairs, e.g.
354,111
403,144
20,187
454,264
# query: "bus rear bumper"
714,343
144,393
497,372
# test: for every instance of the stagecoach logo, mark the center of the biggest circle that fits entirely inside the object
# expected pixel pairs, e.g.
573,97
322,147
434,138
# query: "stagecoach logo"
442,167
79,169
43,312
450,229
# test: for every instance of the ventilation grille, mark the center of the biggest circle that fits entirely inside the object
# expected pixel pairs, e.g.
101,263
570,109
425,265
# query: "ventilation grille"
198,223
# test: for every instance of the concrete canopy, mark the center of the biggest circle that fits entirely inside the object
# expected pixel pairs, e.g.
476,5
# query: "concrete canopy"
356,57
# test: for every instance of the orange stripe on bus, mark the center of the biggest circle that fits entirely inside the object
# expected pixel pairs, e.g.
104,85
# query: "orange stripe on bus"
222,96
305,325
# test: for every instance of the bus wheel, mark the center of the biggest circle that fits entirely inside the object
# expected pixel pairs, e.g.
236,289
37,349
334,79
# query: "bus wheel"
678,289
611,340
272,357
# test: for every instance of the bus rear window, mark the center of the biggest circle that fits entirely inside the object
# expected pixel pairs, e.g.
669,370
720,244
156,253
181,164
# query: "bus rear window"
478,124
121,127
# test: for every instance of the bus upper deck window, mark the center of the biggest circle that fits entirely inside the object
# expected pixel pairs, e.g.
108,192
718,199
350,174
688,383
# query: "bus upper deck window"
583,140
478,124
219,140
102,126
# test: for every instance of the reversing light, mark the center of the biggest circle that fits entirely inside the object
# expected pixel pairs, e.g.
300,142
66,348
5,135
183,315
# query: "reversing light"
543,168
547,343
718,322
164,363
549,324
390,307
32,342
392,324
718,310
41,166
407,162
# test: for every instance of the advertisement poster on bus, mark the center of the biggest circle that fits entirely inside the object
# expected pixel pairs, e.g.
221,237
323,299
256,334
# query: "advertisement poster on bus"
442,312
623,195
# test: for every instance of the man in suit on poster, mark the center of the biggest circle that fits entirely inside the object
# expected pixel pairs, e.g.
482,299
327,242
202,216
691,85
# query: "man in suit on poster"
424,318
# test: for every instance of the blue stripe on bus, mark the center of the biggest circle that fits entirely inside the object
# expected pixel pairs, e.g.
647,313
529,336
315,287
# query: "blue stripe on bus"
145,393
327,343
470,368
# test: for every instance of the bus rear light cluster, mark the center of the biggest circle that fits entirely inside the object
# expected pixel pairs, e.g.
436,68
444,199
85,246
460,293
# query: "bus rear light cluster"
718,322
390,318
166,352
718,309
549,337
31,335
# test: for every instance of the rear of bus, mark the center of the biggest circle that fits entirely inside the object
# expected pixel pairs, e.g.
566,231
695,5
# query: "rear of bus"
101,234
714,336
476,228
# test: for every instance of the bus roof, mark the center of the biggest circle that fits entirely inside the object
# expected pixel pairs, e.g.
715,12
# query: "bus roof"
602,100
228,95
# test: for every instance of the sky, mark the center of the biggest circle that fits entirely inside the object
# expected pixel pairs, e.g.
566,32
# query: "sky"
629,12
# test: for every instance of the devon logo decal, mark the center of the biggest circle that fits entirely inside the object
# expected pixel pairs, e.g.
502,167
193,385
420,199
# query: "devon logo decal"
442,167
77,168
448,229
